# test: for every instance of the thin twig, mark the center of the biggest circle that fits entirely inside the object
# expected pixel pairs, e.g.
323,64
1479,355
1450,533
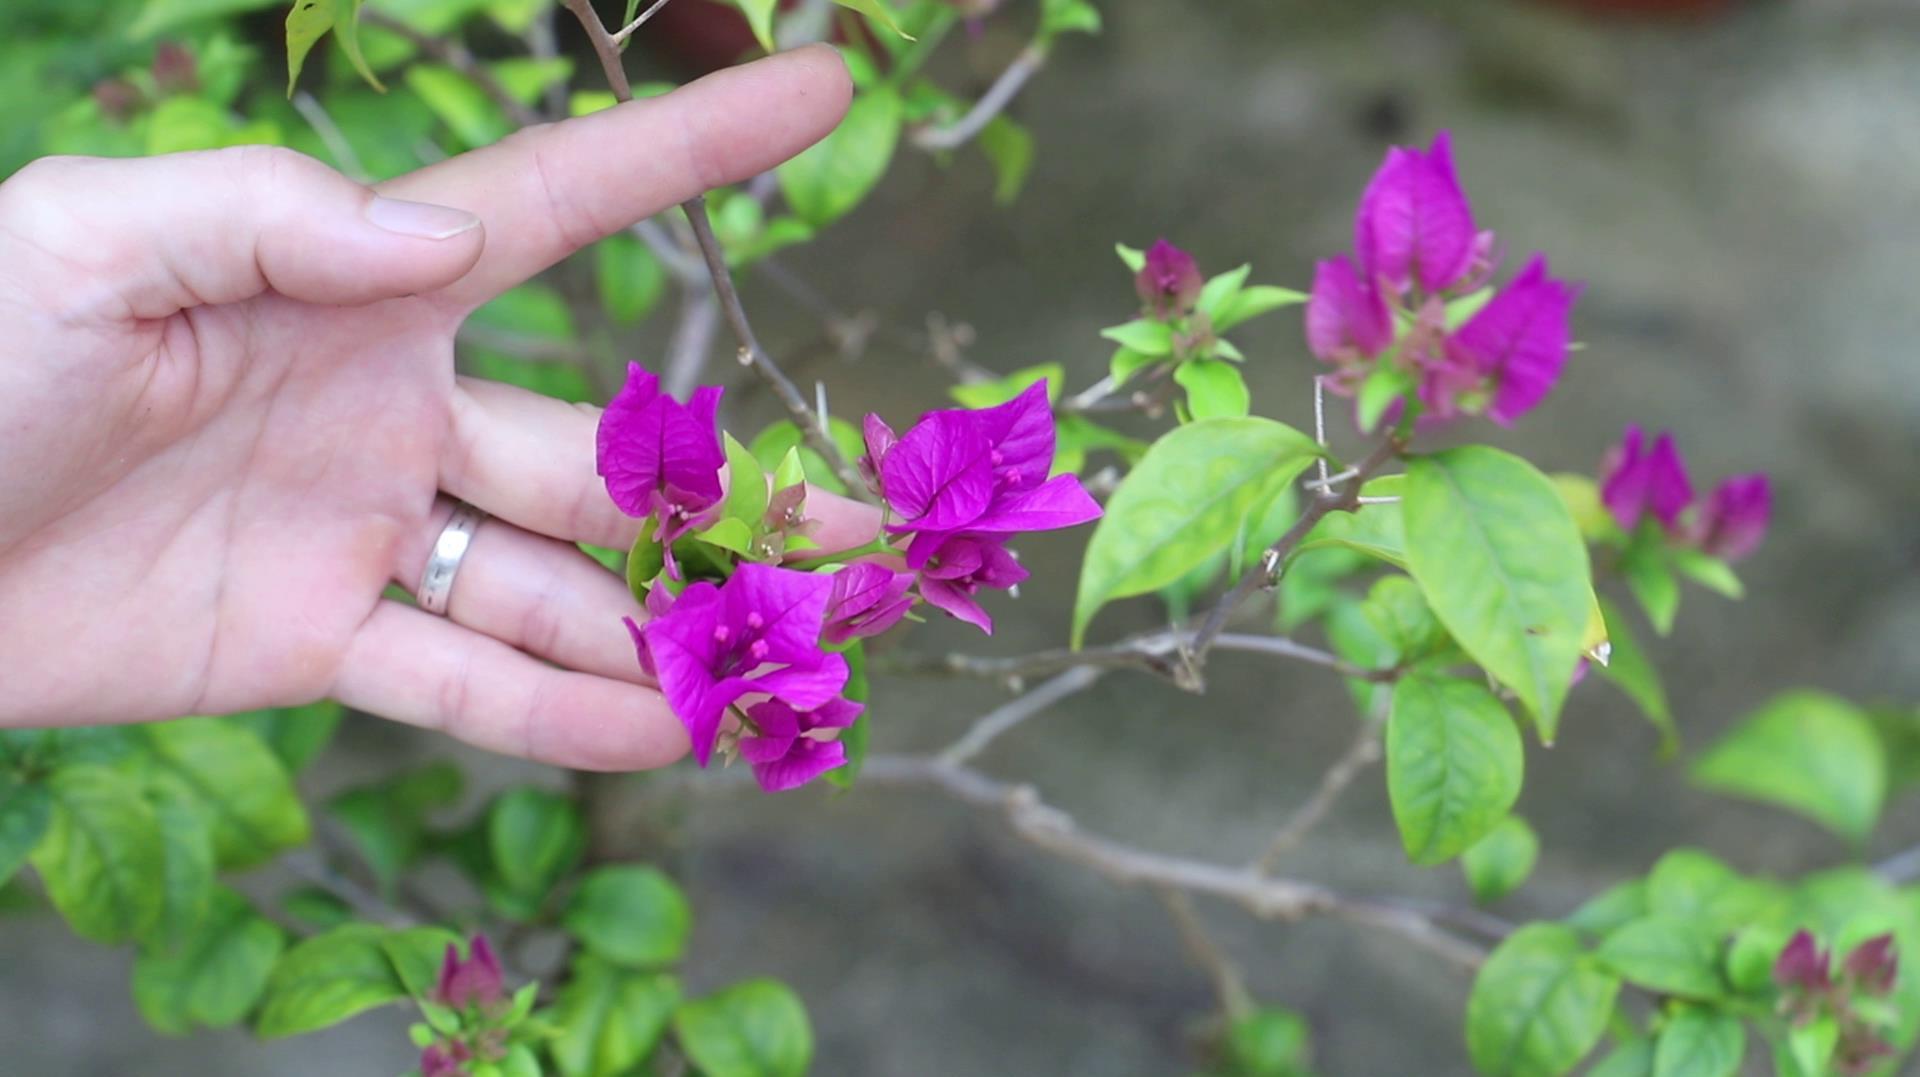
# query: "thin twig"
991,104
455,55
621,35
1154,652
692,340
312,867
1901,868
1268,897
1228,984
1005,717
1267,572
812,427
1361,754
331,136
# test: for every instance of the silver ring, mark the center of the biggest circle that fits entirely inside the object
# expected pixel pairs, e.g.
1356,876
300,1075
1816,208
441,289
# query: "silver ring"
436,580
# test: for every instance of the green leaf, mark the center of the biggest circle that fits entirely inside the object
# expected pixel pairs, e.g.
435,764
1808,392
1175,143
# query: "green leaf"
1377,530
1808,752
536,837
776,441
388,818
1215,389
1250,303
187,884
1270,1043
757,1028
828,180
309,21
1538,1006
25,812
1068,16
1707,571
1809,1048
746,484
1690,884
1648,577
246,793
163,16
1219,288
1400,617
987,394
1009,148
1504,568
295,734
610,1019
878,11
854,738
1751,957
102,855
1184,502
1143,337
1669,955
1133,258
1497,864
327,979
630,915
1387,385
1700,1043
1454,765
629,278
1629,667
1631,1059
1612,907
315,907
416,954
473,117
216,976
759,15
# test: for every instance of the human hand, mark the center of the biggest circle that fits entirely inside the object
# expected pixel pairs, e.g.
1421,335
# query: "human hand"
229,417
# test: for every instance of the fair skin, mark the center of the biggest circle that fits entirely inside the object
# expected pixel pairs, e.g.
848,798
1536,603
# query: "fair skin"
229,418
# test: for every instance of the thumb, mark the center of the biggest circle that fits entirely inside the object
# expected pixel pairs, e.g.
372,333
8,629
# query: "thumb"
146,237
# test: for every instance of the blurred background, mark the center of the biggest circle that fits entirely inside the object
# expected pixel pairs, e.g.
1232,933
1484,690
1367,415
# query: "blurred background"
1735,180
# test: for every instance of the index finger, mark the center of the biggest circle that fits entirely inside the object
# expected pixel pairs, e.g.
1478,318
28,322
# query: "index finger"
545,192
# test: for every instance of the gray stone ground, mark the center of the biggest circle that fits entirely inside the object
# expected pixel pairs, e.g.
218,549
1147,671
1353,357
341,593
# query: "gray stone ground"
1741,198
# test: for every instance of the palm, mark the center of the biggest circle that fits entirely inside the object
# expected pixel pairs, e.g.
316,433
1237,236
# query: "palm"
219,491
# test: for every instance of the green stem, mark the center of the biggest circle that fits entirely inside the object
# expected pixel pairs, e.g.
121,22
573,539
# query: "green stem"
879,545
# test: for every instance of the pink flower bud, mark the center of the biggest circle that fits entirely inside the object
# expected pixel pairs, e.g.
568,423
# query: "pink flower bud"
475,981
1873,965
1170,281
1802,965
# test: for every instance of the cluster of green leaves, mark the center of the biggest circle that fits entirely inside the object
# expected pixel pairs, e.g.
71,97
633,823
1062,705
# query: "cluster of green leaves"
1698,942
1192,348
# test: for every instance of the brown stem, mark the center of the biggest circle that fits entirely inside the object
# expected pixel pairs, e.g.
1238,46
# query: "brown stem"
812,428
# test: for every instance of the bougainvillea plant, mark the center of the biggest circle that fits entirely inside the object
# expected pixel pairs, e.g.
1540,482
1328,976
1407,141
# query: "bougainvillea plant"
1467,599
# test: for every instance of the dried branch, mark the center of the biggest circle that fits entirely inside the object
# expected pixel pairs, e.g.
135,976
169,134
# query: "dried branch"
1159,653
1268,897
1361,754
812,426
1228,984
1267,572
1003,718
456,55
991,104
692,340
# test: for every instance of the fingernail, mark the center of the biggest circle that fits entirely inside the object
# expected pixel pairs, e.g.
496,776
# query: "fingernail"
420,220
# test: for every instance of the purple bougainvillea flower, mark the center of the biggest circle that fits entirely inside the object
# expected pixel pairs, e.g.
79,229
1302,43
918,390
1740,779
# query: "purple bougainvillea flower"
445,1060
1873,965
475,981
1170,280
1735,517
1634,481
1507,357
982,470
1348,319
880,440
1415,226
867,599
757,633
792,748
659,457
1802,965
958,566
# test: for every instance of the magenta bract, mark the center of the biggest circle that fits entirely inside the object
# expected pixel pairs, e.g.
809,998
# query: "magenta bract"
659,457
791,748
1348,319
1170,280
1415,226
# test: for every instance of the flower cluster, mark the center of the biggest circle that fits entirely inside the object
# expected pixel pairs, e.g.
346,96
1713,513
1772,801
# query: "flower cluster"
472,992
1810,991
962,483
749,655
1639,483
1410,306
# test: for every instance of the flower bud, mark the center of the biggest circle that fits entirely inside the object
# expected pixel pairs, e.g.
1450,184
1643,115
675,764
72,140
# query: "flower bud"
1169,282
